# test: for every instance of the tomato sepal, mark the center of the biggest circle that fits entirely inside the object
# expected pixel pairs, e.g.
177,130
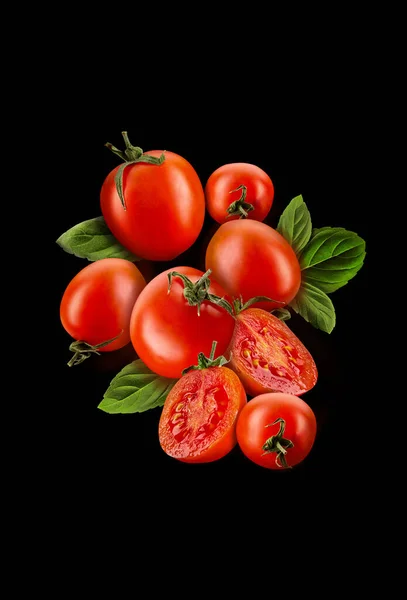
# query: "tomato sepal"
82,350
239,207
131,155
278,444
205,362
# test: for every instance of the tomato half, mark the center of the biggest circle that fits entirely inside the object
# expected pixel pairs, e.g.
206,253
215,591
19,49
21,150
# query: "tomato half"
268,357
165,207
167,333
97,303
276,430
198,421
224,188
251,259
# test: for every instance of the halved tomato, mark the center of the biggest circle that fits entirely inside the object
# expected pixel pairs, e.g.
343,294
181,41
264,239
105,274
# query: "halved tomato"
198,421
268,357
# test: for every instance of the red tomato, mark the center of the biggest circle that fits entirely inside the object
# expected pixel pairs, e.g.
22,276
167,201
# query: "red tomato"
221,191
251,259
276,430
167,333
198,421
97,304
268,357
165,207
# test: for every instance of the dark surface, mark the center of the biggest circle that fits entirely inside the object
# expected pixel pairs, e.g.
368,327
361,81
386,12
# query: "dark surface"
301,157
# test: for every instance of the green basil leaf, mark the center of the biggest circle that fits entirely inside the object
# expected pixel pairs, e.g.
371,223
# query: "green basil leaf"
93,240
315,307
281,313
331,258
135,389
295,224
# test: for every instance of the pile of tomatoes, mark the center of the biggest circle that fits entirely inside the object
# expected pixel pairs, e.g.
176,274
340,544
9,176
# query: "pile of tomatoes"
213,332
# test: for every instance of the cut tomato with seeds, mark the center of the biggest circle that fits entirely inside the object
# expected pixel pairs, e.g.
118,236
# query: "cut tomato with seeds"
198,421
268,357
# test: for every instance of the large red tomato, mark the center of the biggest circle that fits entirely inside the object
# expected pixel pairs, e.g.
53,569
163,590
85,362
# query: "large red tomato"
251,259
198,421
164,207
97,304
168,333
276,430
268,357
239,190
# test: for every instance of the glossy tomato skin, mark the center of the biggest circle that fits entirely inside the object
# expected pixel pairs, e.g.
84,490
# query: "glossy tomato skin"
252,428
168,334
165,207
98,302
268,357
251,259
198,421
260,191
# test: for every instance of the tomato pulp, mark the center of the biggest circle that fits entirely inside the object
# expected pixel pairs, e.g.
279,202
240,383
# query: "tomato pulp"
164,207
268,357
271,418
98,302
198,421
249,259
167,333
224,187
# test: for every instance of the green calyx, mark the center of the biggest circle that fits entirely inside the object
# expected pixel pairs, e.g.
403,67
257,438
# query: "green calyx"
240,207
196,293
82,350
131,155
205,363
278,444
239,305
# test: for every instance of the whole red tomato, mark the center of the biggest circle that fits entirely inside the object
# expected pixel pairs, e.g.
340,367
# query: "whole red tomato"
276,430
239,190
97,303
198,421
268,357
166,330
249,259
164,206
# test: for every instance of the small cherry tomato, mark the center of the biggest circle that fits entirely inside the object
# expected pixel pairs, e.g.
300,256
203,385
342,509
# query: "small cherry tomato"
276,430
239,190
170,325
249,259
97,305
162,206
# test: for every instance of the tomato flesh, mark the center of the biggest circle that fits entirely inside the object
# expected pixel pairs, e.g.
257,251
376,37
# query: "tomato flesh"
268,356
199,415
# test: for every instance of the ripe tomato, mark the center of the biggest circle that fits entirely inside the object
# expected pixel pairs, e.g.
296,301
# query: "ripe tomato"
198,421
276,430
97,304
251,259
165,207
223,189
168,333
268,357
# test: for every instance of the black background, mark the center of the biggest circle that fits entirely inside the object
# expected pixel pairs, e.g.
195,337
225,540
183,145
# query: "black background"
308,152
